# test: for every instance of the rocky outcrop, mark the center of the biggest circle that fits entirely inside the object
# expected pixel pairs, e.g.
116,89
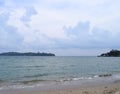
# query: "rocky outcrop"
112,53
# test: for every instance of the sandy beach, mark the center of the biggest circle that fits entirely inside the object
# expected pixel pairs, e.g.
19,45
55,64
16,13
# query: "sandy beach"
111,89
97,88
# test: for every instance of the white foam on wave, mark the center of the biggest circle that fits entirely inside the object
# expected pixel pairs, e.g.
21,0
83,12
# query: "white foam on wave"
79,78
23,86
40,84
96,76
17,87
117,76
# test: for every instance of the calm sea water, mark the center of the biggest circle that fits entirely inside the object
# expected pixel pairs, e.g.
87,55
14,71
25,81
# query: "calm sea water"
24,69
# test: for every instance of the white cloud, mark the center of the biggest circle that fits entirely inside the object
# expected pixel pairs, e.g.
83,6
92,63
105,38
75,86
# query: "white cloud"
62,24
30,11
9,38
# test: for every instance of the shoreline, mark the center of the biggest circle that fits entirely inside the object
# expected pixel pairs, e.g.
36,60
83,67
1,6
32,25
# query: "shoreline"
96,86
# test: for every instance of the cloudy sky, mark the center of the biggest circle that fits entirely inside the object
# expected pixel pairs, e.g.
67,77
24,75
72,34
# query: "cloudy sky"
63,27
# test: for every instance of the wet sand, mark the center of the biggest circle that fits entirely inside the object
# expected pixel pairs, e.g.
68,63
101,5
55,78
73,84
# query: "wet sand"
104,88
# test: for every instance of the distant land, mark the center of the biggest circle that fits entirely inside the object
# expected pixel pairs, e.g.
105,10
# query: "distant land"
26,54
112,53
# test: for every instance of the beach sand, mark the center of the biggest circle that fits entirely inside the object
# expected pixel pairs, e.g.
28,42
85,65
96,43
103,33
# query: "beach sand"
112,88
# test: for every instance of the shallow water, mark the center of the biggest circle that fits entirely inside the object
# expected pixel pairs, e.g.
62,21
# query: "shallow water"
26,69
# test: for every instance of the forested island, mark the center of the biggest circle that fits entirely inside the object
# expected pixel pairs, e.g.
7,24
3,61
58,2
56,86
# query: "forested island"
112,53
26,54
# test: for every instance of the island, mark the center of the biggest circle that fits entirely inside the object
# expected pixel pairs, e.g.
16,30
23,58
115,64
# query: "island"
26,54
112,53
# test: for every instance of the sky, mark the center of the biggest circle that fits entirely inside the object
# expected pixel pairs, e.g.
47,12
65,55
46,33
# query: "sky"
63,27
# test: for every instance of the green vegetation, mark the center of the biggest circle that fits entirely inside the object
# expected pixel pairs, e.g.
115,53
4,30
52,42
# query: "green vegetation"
26,54
112,53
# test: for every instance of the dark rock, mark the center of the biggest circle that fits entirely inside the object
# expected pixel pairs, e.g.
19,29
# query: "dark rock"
105,75
112,53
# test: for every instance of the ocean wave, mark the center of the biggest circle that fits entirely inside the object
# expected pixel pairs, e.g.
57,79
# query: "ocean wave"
75,79
7,87
85,78
21,84
1,81
29,66
39,66
39,82
37,75
32,81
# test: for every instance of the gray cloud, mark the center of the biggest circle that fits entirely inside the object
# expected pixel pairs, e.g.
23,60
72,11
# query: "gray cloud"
81,27
9,39
30,11
54,14
80,36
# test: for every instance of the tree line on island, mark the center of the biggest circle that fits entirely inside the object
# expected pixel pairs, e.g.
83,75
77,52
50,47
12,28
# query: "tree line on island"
112,53
26,54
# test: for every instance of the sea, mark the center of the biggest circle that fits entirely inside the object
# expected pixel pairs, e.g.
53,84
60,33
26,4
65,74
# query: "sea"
30,71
